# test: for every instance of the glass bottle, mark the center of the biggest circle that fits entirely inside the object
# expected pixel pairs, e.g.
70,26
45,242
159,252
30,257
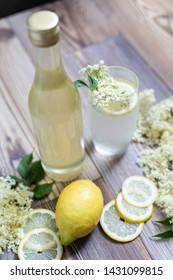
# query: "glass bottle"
54,103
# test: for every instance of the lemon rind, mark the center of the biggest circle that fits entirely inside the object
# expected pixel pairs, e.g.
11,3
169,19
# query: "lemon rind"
122,112
42,210
129,218
138,204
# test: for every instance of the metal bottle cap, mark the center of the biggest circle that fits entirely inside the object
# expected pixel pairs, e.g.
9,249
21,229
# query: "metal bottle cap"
43,28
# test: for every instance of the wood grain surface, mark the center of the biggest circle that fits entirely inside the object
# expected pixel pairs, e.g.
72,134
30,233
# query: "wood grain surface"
136,34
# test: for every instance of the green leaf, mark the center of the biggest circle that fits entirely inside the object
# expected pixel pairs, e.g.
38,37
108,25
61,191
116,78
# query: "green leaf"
167,222
31,172
92,83
36,173
43,190
24,166
165,234
80,83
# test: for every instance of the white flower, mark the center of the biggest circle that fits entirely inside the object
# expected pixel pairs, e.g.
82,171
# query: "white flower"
108,89
155,127
15,204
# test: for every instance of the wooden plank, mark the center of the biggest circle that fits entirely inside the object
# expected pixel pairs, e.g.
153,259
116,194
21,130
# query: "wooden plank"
13,143
82,23
20,19
17,73
115,171
146,24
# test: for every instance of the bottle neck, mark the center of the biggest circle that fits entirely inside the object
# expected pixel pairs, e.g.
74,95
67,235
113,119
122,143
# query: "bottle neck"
48,59
49,70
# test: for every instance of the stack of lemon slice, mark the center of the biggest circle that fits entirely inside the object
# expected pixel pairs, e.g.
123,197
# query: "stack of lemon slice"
39,237
123,218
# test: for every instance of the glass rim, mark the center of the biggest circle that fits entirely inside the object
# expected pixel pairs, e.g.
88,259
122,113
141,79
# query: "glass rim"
129,71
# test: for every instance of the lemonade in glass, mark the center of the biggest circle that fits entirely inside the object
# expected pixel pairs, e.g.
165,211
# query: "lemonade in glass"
113,107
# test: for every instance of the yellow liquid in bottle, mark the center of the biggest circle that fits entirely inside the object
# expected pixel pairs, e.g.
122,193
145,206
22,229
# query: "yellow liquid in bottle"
56,115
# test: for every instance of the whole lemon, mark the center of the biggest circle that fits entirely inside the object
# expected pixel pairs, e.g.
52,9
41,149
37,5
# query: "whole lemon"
78,210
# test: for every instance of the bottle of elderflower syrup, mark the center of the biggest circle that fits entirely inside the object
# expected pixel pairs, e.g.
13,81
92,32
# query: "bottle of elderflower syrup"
54,103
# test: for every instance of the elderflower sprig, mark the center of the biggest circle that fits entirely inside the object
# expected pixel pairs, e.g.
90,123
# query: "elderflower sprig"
104,89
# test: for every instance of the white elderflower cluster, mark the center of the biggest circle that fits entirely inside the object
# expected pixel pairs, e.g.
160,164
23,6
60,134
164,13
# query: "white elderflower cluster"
155,128
155,123
108,89
98,71
15,203
158,166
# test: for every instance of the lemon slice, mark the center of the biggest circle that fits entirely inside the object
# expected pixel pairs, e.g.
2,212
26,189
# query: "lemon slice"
131,213
115,227
115,109
40,244
39,218
139,191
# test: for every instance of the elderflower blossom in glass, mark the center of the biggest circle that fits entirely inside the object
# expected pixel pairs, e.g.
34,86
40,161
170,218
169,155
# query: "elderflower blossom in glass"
112,107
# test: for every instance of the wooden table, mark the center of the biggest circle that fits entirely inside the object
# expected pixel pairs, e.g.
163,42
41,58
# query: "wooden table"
133,33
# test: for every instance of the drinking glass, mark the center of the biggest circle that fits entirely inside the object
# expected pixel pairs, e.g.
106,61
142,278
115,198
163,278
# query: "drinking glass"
112,127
